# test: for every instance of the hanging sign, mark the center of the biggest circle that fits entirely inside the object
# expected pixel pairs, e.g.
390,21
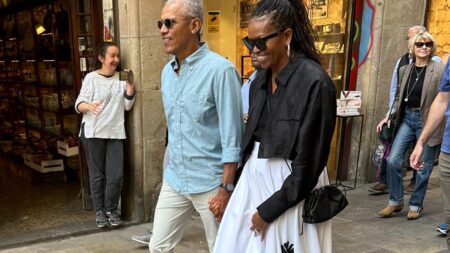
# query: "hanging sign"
213,21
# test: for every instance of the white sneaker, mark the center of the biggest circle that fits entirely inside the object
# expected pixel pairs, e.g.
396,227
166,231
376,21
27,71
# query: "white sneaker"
144,239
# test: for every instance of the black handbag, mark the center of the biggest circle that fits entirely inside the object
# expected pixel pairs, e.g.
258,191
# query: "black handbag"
387,132
323,204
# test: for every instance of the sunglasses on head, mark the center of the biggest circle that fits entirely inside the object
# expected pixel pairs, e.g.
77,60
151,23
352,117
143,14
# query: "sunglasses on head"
260,43
168,23
428,44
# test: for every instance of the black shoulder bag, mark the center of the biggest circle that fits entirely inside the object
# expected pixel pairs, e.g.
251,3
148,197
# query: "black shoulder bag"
322,203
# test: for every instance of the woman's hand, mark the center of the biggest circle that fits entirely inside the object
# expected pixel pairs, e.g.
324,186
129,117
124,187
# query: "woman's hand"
382,122
218,203
259,226
95,107
130,82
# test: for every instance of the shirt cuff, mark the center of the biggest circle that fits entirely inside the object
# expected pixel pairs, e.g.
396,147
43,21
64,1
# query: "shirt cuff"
231,155
129,97
76,106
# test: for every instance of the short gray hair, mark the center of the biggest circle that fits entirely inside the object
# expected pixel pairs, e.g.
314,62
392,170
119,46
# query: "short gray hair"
194,8
418,29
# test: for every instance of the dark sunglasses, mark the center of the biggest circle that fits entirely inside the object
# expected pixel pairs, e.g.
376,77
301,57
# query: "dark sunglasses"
428,44
168,22
260,43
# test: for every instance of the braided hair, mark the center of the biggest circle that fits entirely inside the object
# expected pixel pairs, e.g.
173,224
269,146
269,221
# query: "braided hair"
292,14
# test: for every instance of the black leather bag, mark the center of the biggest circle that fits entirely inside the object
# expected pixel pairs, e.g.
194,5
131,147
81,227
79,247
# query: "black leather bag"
323,204
387,132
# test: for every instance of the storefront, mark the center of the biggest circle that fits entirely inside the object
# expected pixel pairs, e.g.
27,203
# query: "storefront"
226,24
46,48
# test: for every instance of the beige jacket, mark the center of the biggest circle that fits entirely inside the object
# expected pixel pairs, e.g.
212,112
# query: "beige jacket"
430,89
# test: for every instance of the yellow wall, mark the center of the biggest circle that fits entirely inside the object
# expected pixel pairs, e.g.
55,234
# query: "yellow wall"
438,24
224,41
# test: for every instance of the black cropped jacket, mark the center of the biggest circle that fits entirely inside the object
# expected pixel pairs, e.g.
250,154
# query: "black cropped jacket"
300,130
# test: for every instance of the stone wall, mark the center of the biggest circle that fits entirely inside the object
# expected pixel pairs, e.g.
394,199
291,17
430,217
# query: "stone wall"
142,51
391,22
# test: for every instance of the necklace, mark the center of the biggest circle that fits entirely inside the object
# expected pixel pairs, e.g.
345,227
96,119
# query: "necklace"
409,91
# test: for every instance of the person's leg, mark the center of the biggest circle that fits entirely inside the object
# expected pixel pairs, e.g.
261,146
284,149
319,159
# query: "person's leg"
95,155
394,163
200,202
444,178
114,173
423,175
172,214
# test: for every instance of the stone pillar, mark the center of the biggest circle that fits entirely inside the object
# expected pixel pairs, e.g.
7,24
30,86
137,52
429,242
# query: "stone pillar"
142,51
391,22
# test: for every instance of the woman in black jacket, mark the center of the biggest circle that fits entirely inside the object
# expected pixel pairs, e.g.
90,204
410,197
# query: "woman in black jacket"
287,140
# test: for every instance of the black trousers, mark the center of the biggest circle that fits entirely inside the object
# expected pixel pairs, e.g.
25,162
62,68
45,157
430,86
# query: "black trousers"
105,162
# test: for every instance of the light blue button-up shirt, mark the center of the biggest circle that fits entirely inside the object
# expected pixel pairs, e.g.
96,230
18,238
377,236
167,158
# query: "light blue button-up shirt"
246,91
203,108
445,87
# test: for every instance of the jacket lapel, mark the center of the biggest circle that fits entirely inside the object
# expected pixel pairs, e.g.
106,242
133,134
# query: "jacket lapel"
404,80
427,81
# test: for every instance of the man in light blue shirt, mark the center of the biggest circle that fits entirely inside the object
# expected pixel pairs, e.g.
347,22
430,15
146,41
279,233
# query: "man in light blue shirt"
203,109
246,86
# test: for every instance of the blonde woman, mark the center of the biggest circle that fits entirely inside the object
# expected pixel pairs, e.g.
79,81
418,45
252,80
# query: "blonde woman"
419,85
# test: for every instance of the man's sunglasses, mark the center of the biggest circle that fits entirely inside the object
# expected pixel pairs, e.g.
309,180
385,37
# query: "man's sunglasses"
168,22
260,43
428,44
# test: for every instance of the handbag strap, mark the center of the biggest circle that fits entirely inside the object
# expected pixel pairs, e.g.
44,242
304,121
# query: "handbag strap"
345,190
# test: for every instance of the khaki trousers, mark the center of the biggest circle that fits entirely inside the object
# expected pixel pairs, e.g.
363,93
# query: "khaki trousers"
444,177
172,215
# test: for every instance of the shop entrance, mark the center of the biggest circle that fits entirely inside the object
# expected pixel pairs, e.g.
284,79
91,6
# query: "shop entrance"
46,48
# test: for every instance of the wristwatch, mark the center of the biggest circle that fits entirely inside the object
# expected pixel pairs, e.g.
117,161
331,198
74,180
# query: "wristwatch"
228,187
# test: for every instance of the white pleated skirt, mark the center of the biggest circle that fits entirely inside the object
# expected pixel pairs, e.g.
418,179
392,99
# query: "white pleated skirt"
259,180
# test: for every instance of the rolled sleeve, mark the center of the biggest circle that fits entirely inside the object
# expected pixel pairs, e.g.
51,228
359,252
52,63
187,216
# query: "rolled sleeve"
129,102
86,92
229,109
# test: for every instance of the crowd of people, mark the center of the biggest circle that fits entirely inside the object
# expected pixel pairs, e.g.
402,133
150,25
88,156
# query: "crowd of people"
244,158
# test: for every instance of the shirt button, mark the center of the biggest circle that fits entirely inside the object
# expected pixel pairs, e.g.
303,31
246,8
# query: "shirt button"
179,146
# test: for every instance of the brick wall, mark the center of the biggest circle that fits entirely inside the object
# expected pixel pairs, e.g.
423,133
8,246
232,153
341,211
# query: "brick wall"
438,24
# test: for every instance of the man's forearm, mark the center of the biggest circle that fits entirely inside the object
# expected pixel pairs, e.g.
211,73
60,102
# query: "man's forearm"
435,116
229,170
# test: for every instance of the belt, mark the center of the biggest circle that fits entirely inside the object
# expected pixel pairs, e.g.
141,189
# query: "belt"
413,109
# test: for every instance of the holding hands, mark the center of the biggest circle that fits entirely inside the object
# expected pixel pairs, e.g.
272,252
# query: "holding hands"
218,203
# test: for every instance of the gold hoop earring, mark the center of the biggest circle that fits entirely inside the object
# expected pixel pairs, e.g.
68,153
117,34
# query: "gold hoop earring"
288,50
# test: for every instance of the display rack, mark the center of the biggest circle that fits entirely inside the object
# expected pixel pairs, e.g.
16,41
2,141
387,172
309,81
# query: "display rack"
37,79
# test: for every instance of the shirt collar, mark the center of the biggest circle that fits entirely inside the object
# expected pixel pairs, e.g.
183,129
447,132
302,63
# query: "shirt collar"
193,58
285,73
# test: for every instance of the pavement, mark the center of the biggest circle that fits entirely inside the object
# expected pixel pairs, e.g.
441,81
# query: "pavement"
357,229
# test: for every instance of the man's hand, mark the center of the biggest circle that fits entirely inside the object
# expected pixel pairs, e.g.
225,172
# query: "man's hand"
259,226
218,203
414,159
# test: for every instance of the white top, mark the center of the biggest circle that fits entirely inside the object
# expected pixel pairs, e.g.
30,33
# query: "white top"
110,123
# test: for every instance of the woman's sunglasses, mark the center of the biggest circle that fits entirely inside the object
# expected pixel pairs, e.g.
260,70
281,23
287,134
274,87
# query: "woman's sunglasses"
260,43
428,44
169,22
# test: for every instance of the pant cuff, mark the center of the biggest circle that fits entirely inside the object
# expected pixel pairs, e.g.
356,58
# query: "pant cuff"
395,203
415,208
